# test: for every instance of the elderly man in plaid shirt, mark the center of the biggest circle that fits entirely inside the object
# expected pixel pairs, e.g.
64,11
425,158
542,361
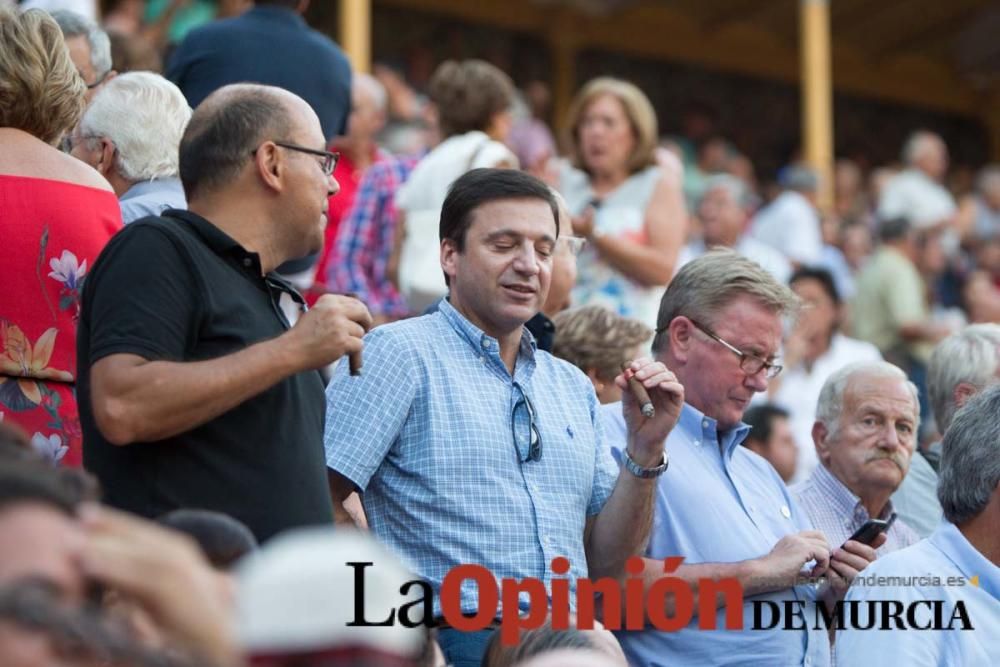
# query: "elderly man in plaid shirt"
471,446
865,433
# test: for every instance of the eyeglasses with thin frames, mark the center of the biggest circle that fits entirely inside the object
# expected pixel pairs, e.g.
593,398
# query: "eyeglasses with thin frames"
329,159
750,363
524,428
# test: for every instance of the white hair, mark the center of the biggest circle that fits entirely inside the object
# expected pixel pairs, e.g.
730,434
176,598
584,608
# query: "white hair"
373,88
972,355
735,186
830,406
145,116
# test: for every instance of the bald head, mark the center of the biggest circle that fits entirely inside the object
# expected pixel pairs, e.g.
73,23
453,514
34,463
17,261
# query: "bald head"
227,127
927,152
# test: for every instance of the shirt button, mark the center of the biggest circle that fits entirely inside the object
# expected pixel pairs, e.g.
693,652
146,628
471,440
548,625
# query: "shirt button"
486,344
704,423
247,262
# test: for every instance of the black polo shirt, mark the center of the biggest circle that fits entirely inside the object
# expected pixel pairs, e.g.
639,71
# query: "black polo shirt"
177,288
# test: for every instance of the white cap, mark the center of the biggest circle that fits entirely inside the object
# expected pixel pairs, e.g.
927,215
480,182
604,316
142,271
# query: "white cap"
296,595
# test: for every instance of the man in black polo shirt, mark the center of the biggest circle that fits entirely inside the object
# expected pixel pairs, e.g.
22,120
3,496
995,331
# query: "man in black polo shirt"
194,391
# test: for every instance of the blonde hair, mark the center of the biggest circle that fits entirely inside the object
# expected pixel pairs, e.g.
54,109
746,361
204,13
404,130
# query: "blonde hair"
594,338
638,109
40,89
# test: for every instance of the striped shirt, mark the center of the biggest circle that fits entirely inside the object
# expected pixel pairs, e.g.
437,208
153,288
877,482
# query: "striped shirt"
365,239
427,434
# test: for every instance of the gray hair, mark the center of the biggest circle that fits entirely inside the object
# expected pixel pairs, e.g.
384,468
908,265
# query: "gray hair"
972,355
830,406
970,459
736,188
75,25
373,88
145,116
916,144
711,282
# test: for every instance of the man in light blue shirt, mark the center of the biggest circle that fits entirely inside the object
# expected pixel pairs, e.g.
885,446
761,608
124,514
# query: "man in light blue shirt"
958,566
131,133
721,506
471,446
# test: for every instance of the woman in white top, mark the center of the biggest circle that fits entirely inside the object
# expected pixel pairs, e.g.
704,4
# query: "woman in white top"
630,210
473,99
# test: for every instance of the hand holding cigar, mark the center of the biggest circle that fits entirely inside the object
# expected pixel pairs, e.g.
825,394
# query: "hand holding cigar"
641,395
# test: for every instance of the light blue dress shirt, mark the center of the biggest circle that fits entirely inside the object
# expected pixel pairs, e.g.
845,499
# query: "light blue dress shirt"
151,198
946,553
426,433
720,505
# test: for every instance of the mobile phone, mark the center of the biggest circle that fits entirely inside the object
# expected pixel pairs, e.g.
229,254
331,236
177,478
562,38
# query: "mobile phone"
867,533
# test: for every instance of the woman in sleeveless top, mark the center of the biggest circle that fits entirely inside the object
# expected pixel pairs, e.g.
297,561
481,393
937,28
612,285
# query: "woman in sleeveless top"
56,214
630,211
473,99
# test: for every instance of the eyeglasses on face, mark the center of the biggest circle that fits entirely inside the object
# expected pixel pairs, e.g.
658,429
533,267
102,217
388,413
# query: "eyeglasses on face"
524,428
328,164
750,363
573,244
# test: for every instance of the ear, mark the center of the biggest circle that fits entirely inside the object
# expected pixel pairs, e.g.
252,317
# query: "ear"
449,259
270,167
962,392
680,332
106,162
820,436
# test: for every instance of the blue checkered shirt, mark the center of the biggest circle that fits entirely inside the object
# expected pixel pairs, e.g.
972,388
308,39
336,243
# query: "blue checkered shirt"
837,512
426,434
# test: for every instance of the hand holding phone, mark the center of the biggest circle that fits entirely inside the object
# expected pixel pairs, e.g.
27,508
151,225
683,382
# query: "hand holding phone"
872,528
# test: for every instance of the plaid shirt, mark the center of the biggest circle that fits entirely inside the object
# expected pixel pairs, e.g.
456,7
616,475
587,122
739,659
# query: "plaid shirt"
365,239
837,512
426,433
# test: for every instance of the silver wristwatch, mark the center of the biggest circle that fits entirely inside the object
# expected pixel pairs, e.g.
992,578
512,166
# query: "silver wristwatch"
644,473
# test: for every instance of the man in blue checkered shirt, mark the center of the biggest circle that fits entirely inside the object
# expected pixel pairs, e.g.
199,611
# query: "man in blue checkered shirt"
471,446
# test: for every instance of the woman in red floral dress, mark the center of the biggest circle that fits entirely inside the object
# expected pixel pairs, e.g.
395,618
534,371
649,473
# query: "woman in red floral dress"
56,214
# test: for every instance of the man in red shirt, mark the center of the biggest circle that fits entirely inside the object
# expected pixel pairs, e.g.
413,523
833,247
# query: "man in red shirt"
358,151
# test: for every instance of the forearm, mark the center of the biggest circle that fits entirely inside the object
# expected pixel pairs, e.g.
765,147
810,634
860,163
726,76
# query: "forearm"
154,400
646,265
622,528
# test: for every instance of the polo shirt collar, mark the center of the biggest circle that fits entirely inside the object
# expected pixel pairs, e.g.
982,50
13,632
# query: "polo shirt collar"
701,427
953,544
221,243
479,340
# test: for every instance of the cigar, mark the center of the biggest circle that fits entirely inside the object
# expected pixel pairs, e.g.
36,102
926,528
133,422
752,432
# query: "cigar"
641,395
354,359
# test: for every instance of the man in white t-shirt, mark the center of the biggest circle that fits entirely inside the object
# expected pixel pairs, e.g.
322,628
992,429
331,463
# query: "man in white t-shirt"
916,193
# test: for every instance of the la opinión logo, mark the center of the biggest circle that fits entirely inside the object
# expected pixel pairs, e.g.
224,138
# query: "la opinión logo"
634,601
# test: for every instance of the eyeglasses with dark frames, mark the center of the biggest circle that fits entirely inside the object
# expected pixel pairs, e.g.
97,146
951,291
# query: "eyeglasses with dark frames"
750,363
329,159
524,428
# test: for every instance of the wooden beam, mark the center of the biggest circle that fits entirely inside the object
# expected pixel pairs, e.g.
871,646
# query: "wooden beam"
356,33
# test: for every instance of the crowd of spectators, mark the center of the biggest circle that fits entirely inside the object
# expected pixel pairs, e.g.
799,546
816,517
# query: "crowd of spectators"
280,341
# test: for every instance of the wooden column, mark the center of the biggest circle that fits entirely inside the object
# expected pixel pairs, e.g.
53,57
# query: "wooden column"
356,33
817,97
